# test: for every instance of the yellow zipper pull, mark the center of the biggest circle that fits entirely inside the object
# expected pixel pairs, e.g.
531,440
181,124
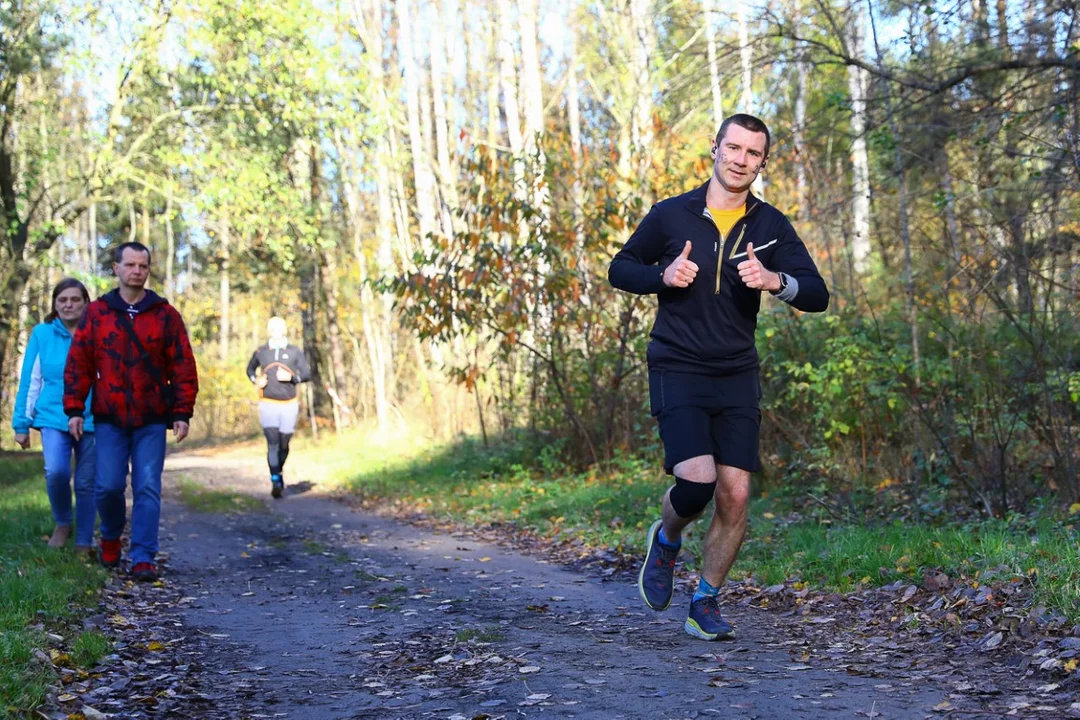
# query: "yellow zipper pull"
735,248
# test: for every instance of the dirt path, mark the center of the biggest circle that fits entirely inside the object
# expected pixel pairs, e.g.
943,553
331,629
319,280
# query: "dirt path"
311,610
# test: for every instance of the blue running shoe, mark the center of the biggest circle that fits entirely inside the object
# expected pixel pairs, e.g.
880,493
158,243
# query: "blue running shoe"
706,622
277,486
656,581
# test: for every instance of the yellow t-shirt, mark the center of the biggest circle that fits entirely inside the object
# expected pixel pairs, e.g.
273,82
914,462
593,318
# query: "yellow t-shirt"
726,219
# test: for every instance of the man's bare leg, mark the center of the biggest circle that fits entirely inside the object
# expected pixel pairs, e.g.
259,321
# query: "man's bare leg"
656,580
728,527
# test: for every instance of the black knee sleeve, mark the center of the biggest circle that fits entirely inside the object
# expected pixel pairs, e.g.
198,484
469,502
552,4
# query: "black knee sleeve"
690,498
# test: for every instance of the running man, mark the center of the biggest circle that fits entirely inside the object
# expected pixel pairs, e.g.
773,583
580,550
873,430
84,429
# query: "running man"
707,255
283,367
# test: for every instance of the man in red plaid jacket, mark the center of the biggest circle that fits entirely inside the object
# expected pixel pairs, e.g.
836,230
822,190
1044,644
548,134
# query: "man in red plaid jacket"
132,349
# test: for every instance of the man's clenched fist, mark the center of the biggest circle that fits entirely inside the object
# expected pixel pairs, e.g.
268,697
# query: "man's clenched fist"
682,271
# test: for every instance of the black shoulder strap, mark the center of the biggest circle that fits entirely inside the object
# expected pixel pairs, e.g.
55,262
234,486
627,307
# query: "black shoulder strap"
155,372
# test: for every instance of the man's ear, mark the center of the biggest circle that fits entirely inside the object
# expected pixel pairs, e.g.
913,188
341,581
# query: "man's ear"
712,153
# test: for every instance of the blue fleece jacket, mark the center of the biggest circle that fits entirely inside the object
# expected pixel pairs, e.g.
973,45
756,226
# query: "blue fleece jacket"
40,401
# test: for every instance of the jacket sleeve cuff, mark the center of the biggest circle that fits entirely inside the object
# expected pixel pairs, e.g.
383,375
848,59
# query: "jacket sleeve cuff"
182,417
789,292
75,412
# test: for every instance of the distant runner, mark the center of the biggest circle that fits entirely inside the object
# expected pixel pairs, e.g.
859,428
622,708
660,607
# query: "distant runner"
283,367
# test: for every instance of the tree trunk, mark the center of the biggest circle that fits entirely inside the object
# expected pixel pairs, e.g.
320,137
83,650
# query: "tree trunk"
573,112
533,87
333,313
145,217
446,176
746,97
508,81
710,19
802,68
860,163
95,269
170,246
423,179
642,14
223,285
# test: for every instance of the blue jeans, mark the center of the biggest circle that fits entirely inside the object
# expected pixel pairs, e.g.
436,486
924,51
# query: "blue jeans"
144,447
57,446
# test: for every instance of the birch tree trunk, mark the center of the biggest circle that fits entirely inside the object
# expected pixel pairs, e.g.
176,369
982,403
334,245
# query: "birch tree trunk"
92,225
746,97
641,16
223,285
573,113
709,7
508,82
494,86
446,176
532,86
802,69
423,178
746,63
860,163
170,245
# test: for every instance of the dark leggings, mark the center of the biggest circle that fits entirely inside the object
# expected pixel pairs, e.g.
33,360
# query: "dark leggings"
277,452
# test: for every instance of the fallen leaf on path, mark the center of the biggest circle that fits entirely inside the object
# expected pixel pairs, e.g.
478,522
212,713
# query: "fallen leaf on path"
993,641
535,698
526,669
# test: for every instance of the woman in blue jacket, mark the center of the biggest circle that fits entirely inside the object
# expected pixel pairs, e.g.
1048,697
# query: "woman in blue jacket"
40,405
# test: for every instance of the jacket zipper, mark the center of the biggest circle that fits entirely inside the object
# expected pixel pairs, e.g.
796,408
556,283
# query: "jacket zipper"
719,261
723,242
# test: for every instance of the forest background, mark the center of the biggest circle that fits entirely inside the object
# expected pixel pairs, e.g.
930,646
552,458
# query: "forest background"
430,192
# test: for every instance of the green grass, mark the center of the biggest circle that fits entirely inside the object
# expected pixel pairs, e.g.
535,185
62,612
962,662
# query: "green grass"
842,558
205,500
487,635
38,586
90,647
612,507
313,547
469,483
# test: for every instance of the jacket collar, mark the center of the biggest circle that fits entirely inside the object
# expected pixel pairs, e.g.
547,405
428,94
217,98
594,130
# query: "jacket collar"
59,326
114,301
695,200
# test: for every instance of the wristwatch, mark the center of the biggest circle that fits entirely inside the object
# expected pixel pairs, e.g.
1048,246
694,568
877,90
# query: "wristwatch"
783,284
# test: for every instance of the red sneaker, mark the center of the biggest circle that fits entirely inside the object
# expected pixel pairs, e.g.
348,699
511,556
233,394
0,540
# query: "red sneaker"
144,572
110,553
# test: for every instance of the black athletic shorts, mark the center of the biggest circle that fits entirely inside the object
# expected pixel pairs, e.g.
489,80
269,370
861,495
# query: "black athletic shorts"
704,415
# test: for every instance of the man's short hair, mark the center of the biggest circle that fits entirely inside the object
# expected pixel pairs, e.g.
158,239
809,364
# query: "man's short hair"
748,122
118,254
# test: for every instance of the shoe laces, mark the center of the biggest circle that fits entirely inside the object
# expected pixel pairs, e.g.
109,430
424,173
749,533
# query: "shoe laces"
709,605
667,555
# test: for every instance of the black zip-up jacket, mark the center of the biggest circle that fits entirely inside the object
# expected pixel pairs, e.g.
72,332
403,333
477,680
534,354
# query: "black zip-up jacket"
708,327
269,359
